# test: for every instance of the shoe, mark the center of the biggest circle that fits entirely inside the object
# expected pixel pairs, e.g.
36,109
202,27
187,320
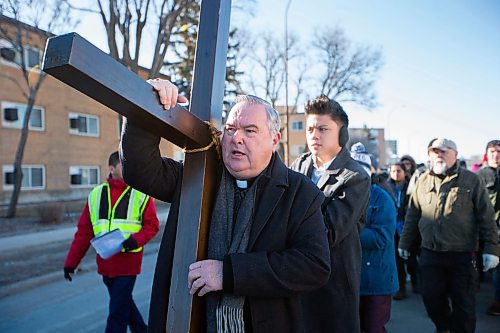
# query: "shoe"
399,295
445,331
494,309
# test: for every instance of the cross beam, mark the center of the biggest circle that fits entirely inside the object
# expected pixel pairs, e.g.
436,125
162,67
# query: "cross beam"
76,62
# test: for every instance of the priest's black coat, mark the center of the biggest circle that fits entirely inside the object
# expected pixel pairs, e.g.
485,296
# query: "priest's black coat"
288,251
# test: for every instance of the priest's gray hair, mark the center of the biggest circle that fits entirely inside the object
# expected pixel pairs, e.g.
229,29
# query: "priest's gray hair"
273,117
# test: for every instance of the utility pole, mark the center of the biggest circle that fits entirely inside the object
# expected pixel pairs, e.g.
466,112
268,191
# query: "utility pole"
287,142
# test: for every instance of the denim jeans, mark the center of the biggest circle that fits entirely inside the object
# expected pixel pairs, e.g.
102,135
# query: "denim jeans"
122,309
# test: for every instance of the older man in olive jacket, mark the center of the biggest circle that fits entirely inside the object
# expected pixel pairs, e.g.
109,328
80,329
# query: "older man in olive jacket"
267,243
450,210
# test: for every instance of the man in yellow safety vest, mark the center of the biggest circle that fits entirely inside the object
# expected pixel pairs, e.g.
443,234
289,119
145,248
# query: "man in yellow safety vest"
115,205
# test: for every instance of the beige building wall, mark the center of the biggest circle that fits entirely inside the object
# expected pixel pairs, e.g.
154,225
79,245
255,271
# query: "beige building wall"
55,147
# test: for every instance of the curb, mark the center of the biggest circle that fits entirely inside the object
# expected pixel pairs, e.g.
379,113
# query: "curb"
39,281
42,280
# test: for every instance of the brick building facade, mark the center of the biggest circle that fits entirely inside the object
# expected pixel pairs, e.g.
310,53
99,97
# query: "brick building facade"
70,139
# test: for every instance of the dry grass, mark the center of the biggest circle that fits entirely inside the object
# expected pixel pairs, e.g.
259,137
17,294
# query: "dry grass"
51,213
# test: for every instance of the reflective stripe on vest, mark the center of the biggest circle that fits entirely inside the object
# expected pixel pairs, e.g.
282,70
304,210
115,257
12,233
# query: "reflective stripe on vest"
125,215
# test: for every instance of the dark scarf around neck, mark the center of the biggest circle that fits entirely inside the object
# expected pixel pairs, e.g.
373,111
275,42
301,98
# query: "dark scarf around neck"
229,233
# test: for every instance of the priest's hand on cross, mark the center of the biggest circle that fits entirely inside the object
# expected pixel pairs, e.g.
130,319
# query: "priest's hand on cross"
168,93
205,276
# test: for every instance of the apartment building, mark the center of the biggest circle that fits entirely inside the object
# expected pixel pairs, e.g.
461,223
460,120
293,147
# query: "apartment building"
70,135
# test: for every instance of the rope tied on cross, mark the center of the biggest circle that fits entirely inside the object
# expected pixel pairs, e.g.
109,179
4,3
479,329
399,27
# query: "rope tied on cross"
214,142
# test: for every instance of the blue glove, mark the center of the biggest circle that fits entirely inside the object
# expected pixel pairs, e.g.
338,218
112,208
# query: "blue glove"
489,261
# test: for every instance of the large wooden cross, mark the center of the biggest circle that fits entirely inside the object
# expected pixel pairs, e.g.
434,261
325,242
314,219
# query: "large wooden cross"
78,63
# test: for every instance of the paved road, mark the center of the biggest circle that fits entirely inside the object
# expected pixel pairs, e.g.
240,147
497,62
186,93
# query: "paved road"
408,315
61,306
51,304
81,307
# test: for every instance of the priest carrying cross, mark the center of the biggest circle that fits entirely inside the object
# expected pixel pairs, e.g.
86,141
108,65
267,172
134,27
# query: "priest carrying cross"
267,243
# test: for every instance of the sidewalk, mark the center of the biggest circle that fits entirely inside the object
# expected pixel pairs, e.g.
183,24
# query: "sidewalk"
17,242
28,241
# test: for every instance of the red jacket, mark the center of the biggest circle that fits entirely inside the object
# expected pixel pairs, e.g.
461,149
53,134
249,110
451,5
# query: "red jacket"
122,263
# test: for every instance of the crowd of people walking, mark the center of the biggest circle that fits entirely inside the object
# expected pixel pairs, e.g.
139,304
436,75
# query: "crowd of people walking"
447,231
323,246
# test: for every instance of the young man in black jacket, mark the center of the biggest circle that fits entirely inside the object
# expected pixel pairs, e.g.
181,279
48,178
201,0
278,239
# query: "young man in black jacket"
334,308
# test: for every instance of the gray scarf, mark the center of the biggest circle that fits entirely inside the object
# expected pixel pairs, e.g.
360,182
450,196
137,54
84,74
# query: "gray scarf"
228,235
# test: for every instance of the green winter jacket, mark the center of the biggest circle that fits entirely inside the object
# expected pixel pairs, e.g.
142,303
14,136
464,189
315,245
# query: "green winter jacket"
450,214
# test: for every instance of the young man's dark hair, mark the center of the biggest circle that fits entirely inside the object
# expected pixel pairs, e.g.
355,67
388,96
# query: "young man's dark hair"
323,105
114,159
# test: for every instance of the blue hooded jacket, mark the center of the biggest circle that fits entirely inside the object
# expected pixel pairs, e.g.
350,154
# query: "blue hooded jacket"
378,269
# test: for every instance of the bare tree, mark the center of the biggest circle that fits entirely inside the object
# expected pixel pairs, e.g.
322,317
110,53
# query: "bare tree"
126,22
20,38
348,72
173,27
300,78
268,57
180,61
271,64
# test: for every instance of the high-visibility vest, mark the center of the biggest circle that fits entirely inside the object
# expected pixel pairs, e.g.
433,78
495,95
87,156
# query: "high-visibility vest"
126,213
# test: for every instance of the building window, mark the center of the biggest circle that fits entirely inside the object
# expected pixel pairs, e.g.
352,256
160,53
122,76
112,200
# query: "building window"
33,177
32,56
13,116
83,124
297,126
84,176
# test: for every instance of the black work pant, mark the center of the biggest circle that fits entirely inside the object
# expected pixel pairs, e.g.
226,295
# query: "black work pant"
449,275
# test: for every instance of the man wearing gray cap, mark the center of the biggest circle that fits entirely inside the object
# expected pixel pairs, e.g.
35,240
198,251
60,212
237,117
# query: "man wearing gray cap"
450,210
